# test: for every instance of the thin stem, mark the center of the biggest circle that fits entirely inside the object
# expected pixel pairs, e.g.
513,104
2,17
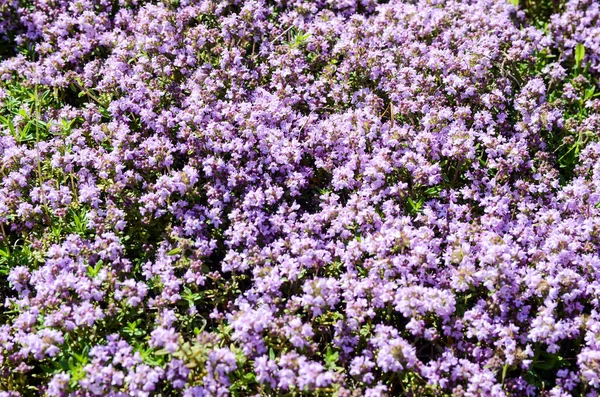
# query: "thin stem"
4,236
73,187
37,142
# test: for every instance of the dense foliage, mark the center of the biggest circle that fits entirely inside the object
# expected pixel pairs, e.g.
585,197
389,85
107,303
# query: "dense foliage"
289,198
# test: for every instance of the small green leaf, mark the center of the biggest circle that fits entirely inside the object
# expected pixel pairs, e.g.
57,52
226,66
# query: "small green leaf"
504,371
515,3
94,270
579,54
414,206
433,191
589,93
331,357
162,352
174,251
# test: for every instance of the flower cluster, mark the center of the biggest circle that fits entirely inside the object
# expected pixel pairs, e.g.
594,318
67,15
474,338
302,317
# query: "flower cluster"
265,197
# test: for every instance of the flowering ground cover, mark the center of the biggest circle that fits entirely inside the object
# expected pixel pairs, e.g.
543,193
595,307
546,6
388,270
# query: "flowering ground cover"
299,198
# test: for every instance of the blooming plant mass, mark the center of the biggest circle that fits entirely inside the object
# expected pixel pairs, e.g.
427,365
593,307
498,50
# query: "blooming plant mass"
299,198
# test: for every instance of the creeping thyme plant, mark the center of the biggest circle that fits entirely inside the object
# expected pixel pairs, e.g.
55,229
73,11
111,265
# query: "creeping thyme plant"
299,198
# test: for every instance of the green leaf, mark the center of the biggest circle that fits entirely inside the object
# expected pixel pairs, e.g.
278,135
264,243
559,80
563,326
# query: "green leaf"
271,353
504,371
94,270
331,357
579,54
8,122
78,221
433,191
589,93
162,352
414,206
515,3
174,251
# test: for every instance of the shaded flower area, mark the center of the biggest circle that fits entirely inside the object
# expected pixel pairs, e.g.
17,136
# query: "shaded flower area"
299,198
